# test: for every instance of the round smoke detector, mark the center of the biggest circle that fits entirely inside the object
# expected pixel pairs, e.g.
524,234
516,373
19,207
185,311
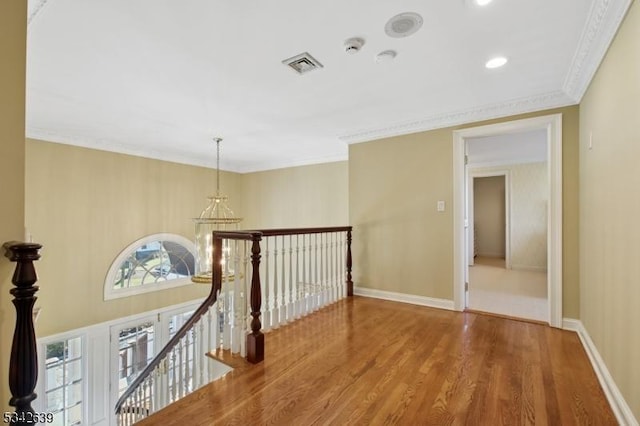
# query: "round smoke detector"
385,56
403,25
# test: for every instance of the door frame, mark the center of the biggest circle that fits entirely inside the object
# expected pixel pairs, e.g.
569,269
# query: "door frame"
476,172
553,126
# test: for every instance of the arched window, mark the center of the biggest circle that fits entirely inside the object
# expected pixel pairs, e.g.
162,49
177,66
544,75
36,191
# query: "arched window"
152,263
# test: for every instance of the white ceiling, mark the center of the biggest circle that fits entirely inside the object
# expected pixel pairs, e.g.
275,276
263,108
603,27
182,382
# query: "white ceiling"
161,78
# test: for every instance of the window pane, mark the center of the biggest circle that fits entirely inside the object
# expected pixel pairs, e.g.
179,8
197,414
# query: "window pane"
54,373
74,394
153,262
135,351
55,350
58,419
55,400
64,380
74,415
74,348
176,321
73,371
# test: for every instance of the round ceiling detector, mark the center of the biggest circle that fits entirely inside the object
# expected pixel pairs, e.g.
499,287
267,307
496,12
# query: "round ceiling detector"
385,56
353,45
403,25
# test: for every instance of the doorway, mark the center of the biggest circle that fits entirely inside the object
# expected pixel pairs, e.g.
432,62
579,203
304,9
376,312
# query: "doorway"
551,126
507,218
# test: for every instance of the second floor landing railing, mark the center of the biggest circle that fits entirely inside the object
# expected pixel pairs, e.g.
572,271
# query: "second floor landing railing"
261,280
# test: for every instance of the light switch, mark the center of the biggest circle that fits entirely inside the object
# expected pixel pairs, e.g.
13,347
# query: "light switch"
440,206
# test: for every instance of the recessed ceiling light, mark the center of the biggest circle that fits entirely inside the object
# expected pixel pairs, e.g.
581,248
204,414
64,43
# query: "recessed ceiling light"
496,62
477,3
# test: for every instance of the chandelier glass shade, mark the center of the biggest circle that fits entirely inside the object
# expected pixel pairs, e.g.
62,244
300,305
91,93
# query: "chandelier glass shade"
216,216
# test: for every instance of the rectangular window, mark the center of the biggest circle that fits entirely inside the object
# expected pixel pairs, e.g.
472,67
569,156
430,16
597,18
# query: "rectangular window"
135,350
64,381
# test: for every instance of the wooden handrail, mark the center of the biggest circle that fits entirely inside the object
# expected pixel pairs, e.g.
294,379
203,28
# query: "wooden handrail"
202,309
299,231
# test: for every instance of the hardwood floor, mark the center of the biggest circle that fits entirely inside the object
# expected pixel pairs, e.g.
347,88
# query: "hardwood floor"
372,362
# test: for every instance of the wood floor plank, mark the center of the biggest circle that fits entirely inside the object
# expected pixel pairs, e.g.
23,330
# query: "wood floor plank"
364,361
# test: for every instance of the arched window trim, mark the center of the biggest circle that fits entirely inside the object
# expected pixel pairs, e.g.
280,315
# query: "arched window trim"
111,293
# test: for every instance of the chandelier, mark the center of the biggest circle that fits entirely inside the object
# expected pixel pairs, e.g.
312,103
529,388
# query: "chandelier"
216,216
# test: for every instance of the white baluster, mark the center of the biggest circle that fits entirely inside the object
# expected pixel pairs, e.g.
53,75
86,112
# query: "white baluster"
325,280
226,317
283,286
178,369
174,377
152,392
146,397
276,296
303,295
193,361
330,298
295,292
237,303
290,310
309,282
316,280
246,311
267,289
336,257
343,265
136,403
197,358
210,345
160,386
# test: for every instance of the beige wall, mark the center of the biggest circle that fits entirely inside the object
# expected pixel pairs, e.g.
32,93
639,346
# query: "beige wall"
85,206
528,213
610,208
489,215
529,201
13,39
401,243
307,196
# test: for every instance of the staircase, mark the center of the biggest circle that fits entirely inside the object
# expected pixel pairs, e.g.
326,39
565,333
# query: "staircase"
261,280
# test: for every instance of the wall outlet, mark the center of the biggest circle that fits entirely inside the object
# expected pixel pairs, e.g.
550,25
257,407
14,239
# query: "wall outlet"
440,206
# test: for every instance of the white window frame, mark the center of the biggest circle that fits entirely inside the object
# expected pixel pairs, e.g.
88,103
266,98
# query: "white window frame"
41,402
111,293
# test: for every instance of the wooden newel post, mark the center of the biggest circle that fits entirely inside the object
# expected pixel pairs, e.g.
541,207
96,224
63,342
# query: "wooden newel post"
349,281
255,340
216,266
23,366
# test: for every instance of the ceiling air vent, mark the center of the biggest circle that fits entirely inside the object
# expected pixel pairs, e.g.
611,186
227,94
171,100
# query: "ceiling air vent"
303,63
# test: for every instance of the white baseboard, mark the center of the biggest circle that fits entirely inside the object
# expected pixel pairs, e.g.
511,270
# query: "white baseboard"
620,408
405,298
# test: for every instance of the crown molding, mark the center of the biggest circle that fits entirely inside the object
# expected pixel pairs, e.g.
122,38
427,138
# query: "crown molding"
273,165
173,156
602,24
472,115
103,144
